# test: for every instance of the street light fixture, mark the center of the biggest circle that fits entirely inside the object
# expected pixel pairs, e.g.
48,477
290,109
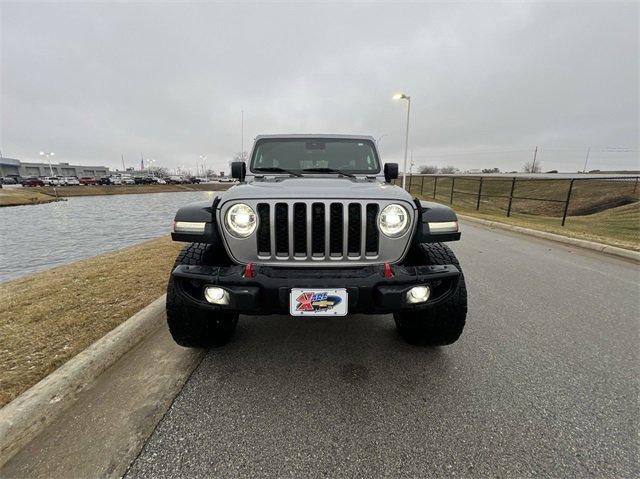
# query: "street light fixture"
402,96
48,155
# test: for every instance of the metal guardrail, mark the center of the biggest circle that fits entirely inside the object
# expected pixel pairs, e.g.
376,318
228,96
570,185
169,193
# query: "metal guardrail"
479,194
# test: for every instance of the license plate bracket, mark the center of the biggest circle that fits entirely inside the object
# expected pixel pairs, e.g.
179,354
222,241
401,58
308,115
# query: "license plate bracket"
318,302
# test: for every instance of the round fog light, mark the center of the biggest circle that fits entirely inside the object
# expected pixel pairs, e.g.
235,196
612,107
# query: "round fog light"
214,294
418,294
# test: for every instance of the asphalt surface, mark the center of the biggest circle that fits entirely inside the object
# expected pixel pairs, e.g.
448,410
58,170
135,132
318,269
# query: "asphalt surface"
543,382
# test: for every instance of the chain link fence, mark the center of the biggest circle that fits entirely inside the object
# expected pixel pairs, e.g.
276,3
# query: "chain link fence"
549,197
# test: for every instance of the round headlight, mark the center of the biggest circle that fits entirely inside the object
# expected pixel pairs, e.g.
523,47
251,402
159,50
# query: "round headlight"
241,220
393,221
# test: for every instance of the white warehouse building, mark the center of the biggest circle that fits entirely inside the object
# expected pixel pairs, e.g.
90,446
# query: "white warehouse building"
11,166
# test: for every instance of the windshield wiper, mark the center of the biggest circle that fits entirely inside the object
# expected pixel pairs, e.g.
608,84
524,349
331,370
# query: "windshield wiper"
276,169
328,170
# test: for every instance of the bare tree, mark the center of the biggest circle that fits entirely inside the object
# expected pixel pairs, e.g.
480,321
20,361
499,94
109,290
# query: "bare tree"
448,170
529,167
160,171
241,156
428,170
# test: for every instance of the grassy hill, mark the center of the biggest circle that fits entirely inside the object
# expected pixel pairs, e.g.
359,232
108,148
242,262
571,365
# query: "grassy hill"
544,197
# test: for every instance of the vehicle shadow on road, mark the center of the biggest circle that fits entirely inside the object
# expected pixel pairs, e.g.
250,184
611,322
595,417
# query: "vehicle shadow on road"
353,350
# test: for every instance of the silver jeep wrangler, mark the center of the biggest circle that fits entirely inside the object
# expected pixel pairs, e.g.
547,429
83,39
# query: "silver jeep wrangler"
315,228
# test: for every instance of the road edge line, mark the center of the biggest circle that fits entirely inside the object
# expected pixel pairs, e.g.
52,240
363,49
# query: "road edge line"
27,415
591,245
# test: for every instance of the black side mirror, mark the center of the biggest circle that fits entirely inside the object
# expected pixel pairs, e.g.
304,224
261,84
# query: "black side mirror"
238,170
390,171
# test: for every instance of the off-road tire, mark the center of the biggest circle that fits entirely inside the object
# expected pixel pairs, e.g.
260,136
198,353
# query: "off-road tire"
442,323
190,326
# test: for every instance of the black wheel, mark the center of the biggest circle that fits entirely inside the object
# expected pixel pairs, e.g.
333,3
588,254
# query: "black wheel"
442,323
192,327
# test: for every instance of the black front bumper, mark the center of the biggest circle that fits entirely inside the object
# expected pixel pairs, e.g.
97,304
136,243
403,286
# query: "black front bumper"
268,290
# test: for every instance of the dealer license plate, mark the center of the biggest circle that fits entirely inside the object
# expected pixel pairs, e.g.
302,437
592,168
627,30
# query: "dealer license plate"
318,302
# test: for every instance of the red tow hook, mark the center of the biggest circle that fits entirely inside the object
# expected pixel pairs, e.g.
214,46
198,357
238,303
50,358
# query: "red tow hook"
387,273
248,270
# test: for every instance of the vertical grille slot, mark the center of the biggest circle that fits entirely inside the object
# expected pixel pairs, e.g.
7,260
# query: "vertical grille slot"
300,229
282,230
317,229
372,230
264,230
355,229
335,233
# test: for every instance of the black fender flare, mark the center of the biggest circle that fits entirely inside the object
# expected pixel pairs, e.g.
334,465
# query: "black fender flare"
199,212
430,212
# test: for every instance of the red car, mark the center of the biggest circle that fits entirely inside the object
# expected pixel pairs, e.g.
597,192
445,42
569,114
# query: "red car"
33,181
87,180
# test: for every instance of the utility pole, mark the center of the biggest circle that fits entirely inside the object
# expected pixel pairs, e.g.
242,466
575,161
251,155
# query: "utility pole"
533,166
242,133
586,160
123,168
202,158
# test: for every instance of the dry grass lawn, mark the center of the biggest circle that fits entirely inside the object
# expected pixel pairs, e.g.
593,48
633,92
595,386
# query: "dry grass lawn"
49,317
99,190
616,226
604,211
23,196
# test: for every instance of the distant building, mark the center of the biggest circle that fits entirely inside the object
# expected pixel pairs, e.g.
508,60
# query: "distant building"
11,166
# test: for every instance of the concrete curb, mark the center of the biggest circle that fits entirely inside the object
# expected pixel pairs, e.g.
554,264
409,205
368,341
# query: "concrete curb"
28,414
599,247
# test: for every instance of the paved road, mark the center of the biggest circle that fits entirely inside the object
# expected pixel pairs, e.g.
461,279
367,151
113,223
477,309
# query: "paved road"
544,382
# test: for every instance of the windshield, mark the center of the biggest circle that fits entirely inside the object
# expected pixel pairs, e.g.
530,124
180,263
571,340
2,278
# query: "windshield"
346,155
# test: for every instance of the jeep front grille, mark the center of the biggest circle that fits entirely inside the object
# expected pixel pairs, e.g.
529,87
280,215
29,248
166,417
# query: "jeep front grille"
316,230
311,231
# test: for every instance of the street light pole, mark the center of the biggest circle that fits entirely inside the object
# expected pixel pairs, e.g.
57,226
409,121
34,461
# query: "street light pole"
586,160
202,158
402,96
150,163
48,156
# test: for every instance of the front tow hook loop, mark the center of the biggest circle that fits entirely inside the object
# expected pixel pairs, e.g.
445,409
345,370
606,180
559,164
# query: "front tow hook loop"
248,270
387,273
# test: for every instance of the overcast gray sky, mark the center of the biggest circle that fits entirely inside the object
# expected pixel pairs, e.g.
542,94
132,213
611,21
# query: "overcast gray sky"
92,81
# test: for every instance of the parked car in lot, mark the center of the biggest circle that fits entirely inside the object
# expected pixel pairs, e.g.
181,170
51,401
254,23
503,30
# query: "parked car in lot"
315,228
32,181
175,180
145,180
160,181
127,180
8,180
115,180
69,181
51,181
87,180
226,179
